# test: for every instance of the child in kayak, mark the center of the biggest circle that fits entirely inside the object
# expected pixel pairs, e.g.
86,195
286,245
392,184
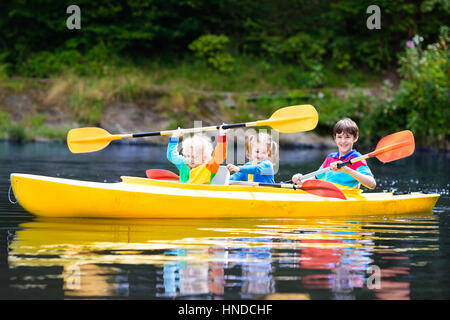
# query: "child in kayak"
263,153
345,134
196,165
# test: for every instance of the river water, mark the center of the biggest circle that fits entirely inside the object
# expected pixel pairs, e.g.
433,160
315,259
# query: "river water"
399,257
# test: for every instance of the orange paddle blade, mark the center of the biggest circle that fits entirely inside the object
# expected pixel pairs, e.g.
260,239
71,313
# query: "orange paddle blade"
323,189
394,146
160,174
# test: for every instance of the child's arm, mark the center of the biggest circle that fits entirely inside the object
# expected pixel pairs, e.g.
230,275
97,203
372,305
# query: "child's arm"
238,176
172,152
296,178
262,168
219,154
366,180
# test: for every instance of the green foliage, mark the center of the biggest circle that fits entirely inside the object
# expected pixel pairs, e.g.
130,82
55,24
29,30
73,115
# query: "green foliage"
34,122
17,132
429,5
5,123
275,45
44,63
10,130
302,49
36,42
423,95
32,128
88,110
212,48
420,104
4,66
56,134
97,61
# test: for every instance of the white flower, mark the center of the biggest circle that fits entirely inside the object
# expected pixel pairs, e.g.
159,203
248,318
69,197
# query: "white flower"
417,39
320,95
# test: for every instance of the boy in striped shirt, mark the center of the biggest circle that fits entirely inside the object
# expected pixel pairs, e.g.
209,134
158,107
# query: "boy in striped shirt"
345,134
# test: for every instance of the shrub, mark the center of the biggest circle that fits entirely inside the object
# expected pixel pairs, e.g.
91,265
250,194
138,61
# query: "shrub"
423,96
5,123
421,103
213,49
97,61
301,49
17,132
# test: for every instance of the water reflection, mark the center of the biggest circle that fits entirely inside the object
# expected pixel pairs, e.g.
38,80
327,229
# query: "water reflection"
355,258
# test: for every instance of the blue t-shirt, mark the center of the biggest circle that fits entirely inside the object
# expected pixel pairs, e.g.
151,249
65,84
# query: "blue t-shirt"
262,172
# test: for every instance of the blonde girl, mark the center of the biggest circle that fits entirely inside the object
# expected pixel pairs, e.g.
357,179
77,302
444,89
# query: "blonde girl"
263,153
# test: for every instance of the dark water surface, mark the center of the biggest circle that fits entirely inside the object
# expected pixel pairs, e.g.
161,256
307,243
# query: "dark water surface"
221,258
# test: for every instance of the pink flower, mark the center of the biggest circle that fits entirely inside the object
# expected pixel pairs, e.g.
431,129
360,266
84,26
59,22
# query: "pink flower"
410,44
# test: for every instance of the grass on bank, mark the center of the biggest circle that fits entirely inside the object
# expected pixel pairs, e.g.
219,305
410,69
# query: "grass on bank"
32,128
188,79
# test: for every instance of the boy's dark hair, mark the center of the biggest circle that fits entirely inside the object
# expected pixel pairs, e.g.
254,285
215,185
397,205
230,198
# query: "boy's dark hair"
346,125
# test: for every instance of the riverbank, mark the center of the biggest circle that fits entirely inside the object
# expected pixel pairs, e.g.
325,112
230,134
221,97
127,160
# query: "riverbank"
46,109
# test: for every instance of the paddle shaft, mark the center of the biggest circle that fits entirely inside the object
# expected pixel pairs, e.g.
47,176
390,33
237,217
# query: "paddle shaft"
339,165
297,118
262,184
315,187
202,129
191,130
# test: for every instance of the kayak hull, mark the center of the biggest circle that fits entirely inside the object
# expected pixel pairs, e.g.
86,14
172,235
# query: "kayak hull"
147,198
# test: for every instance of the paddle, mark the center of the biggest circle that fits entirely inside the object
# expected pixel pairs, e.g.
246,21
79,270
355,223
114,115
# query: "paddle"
161,174
316,187
289,119
390,148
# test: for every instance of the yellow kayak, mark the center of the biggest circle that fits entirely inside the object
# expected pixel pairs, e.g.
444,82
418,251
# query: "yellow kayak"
148,198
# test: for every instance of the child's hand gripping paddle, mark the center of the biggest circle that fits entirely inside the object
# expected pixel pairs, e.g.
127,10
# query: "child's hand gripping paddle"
289,119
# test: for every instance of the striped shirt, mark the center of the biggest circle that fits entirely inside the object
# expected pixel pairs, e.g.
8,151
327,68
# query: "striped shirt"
344,178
